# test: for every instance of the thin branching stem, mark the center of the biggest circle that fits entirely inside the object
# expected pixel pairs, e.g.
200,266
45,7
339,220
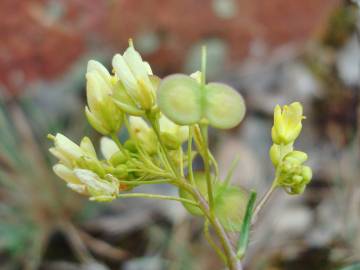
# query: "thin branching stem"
263,201
156,196
115,138
189,156
204,132
211,241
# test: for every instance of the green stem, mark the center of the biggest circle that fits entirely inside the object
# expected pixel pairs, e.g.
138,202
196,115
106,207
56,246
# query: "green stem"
214,163
232,261
189,156
181,160
231,171
211,241
115,138
149,182
263,201
155,196
209,184
155,126
203,65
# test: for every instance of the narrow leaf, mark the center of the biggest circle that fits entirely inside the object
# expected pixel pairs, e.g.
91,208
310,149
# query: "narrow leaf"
245,229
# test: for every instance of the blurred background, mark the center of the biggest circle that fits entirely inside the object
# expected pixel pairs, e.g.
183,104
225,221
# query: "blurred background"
273,52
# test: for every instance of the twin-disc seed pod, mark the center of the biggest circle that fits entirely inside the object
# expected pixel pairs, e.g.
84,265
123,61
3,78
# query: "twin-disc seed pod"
186,101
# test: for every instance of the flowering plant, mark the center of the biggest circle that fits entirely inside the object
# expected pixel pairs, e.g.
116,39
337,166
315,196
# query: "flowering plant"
160,115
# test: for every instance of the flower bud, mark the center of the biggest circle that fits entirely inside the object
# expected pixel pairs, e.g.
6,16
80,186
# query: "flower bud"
125,102
172,134
130,145
291,174
144,135
296,157
287,123
65,150
275,154
120,171
99,189
118,158
306,174
111,152
70,178
87,147
92,164
101,112
134,74
69,153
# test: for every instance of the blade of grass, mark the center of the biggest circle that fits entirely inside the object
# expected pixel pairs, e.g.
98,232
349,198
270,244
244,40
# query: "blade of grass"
246,225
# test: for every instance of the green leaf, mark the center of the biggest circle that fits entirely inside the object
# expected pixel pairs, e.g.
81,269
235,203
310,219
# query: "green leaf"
245,230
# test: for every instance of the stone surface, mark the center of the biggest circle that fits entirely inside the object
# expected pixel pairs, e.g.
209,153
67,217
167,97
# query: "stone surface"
45,38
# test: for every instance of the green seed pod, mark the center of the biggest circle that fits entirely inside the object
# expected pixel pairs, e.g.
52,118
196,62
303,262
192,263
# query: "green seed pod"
230,202
230,206
179,98
200,181
224,106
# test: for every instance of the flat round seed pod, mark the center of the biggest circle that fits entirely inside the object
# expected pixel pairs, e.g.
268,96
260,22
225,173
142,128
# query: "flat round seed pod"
179,98
200,182
224,106
230,206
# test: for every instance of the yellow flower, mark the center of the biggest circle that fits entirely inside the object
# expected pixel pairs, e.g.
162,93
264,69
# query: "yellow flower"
287,123
134,74
101,112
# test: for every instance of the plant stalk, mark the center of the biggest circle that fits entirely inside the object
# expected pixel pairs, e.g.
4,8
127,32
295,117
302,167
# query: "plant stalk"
262,202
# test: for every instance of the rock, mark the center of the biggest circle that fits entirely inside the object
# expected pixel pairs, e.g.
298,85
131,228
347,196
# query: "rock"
348,62
146,263
279,80
293,221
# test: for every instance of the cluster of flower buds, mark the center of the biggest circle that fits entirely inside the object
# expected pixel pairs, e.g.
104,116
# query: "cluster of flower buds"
160,115
291,174
127,96
135,84
82,170
101,112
